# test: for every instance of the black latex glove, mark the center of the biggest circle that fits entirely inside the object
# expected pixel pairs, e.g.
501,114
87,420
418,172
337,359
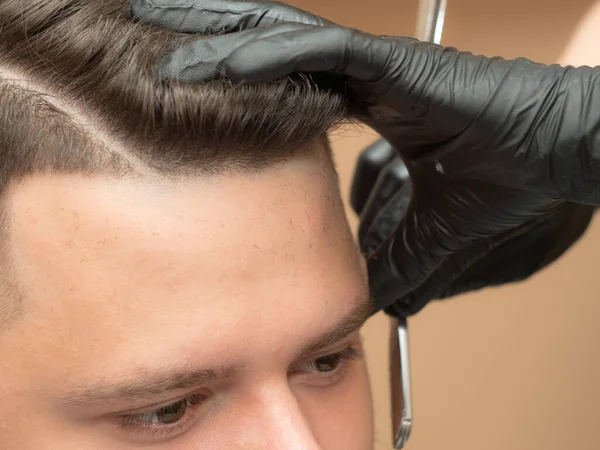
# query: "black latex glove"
508,257
493,147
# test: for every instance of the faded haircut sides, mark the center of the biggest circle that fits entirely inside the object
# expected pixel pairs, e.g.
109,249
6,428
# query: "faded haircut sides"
78,94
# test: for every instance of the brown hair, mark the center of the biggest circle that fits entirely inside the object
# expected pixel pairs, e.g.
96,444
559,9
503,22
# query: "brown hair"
78,95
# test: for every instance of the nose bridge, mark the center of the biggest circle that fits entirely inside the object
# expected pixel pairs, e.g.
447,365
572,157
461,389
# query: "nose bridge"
275,421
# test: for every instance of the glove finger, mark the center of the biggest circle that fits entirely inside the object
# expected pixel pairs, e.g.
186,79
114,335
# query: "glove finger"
202,60
423,239
405,253
530,251
442,280
390,181
315,49
385,219
217,16
368,167
511,256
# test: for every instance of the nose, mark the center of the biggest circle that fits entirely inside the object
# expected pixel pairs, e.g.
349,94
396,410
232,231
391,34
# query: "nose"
272,419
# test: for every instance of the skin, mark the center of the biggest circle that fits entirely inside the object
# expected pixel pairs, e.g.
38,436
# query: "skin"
582,48
128,281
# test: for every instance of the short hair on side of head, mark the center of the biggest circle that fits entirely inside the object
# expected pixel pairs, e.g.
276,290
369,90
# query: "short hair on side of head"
78,94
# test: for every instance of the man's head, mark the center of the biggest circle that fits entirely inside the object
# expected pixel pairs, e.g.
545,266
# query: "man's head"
177,270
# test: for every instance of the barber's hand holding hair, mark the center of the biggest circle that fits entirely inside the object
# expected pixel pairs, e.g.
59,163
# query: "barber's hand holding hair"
495,149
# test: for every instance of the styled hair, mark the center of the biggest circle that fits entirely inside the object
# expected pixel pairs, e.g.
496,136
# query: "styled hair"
78,94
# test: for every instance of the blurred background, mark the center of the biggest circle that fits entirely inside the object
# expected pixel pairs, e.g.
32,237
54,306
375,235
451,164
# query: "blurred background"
510,368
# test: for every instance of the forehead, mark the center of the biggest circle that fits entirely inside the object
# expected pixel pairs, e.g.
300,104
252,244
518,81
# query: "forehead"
124,263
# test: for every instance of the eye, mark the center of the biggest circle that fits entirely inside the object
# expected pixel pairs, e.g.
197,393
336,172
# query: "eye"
166,415
329,368
327,363
167,420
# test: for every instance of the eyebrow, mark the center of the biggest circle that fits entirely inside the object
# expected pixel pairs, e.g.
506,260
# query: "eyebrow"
343,328
148,383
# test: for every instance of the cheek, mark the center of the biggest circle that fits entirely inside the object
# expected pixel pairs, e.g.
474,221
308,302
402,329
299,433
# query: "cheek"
340,416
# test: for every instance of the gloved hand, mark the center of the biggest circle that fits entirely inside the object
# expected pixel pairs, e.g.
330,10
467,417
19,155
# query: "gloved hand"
494,148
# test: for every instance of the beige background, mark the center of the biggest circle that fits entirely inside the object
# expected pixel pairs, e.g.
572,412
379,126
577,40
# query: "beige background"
511,368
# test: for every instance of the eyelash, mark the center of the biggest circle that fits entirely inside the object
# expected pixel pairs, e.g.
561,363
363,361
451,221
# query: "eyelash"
137,423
